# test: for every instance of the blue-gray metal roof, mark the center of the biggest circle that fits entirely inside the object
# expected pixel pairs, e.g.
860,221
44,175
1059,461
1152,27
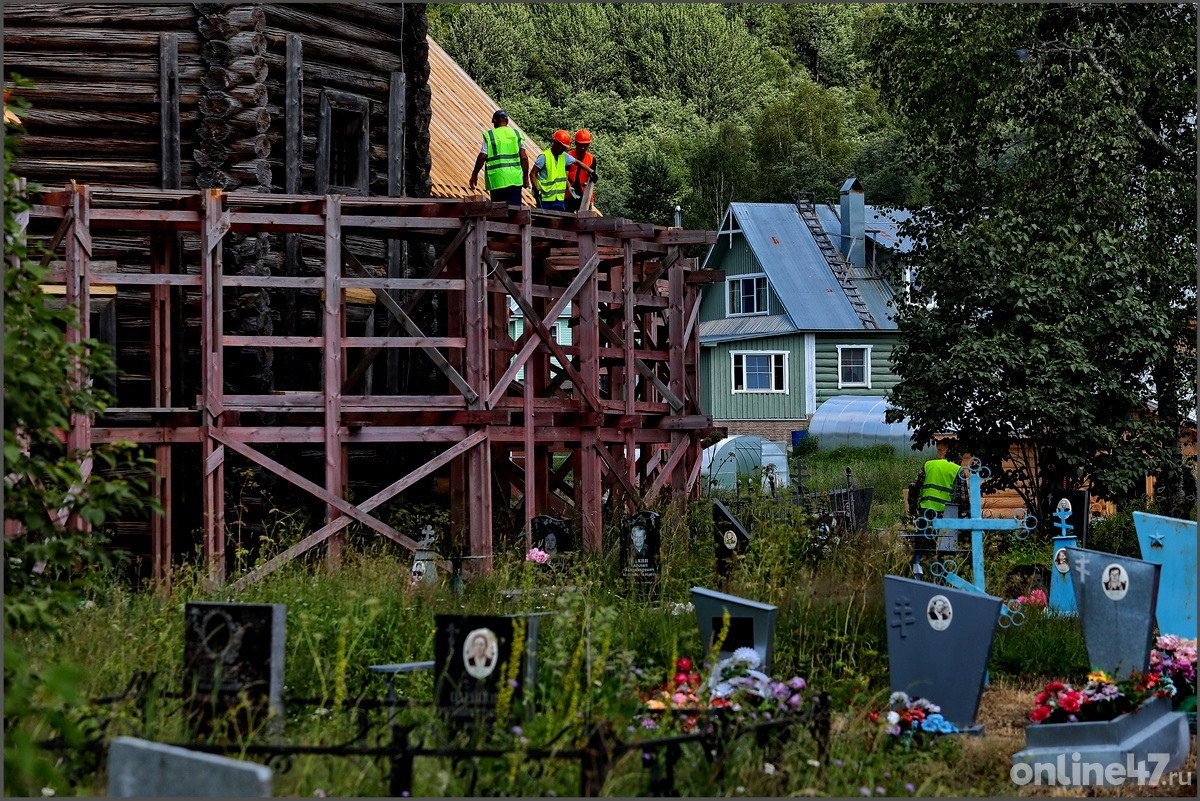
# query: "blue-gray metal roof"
733,328
882,225
798,272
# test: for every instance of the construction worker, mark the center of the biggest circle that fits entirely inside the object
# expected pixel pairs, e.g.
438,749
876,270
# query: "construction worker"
938,484
549,173
503,152
577,179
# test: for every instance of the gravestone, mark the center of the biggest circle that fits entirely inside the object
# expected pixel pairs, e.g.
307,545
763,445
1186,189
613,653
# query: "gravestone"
939,643
1078,503
233,650
1062,592
1171,542
730,538
551,534
1115,596
424,567
751,624
144,769
475,657
640,544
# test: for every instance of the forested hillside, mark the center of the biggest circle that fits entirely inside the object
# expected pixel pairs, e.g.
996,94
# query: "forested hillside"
696,104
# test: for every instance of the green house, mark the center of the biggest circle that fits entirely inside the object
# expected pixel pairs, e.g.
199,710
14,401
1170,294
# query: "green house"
803,314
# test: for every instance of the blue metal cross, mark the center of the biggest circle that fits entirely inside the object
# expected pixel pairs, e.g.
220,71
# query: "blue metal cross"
1020,524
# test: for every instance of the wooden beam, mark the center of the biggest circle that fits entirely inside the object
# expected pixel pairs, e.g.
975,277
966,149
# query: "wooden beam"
168,93
331,373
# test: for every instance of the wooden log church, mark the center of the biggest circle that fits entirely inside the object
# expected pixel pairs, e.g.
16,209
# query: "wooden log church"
259,210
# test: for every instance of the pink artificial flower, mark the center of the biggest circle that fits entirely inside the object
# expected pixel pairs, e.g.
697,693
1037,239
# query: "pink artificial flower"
1038,598
537,555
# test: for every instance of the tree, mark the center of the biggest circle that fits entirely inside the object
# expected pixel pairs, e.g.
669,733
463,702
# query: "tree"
1056,298
722,172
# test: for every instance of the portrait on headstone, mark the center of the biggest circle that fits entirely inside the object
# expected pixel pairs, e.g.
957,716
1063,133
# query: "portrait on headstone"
479,653
1061,563
637,539
1116,582
939,612
418,570
730,538
551,534
640,546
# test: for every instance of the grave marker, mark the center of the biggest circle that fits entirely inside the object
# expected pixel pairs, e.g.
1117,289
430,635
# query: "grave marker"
730,538
1062,592
751,624
475,657
640,546
1115,596
231,649
551,534
1171,542
424,568
143,769
1078,502
939,642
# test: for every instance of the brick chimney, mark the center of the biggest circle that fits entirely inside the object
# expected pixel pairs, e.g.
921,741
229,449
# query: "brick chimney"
853,240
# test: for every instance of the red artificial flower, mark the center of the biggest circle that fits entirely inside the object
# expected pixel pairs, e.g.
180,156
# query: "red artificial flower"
681,679
720,702
1042,698
1039,714
1070,702
874,716
1055,686
918,714
694,678
683,664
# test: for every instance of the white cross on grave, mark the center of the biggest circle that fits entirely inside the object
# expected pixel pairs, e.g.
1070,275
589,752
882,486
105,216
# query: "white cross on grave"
1021,523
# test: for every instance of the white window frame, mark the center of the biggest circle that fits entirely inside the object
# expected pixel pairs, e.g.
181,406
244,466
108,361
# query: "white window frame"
729,312
865,384
733,359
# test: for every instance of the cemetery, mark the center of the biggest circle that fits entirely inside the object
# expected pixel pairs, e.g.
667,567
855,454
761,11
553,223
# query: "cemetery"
704,651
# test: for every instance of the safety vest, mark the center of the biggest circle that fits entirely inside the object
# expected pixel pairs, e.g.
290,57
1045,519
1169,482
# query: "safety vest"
938,489
503,165
577,177
554,186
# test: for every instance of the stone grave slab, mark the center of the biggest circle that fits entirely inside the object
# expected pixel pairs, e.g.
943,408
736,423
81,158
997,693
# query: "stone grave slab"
1171,542
640,547
474,656
551,534
231,649
751,624
1115,596
939,643
730,537
143,769
424,567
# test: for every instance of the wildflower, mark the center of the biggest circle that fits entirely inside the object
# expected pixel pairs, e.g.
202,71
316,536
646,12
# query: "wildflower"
838,762
513,683
517,730
880,791
909,786
864,791
649,723
768,768
887,774
47,791
796,683
814,763
537,555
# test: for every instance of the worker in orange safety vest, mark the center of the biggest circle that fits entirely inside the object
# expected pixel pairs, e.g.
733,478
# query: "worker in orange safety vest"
577,179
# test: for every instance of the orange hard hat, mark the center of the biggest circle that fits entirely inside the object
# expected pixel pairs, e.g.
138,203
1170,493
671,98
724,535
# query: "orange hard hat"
582,137
562,137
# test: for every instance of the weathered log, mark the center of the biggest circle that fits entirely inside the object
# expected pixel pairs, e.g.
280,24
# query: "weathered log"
214,129
41,119
70,65
251,95
54,93
222,25
313,18
211,156
220,51
333,76
217,179
124,172
331,50
255,172
157,17
93,145
254,146
242,70
18,39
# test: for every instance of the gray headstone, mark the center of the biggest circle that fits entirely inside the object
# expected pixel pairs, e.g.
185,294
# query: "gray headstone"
1115,596
751,624
939,643
231,650
144,769
424,567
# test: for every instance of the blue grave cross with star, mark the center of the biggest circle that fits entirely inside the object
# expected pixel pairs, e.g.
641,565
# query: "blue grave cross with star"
1021,524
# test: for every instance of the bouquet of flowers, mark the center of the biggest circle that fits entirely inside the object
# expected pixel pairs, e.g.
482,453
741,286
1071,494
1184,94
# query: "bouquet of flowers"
1035,598
537,555
1176,657
912,719
1103,698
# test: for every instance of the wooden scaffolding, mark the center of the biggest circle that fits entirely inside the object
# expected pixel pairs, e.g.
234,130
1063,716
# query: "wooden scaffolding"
606,423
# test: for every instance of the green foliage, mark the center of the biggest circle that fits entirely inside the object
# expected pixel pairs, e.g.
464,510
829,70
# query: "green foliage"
1115,534
1057,243
1044,646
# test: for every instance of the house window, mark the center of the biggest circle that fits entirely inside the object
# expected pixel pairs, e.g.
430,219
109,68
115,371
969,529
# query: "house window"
342,144
854,366
554,331
747,295
759,372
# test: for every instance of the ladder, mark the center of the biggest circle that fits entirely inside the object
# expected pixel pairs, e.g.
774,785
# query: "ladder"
837,263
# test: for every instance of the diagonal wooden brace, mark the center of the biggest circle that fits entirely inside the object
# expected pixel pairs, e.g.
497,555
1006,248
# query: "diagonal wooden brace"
607,458
531,342
544,332
665,471
640,365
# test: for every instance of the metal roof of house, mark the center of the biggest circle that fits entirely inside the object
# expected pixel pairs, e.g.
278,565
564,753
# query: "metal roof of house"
798,272
461,112
732,328
882,224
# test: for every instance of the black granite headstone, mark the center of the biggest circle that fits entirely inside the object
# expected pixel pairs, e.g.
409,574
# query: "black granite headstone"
552,535
939,643
640,544
1080,502
730,537
473,661
233,652
1115,596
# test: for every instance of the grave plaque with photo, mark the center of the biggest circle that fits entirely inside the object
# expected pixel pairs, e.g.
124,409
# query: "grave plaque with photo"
730,538
640,548
551,534
233,650
1079,504
1115,596
751,624
939,643
473,658
1171,542
424,568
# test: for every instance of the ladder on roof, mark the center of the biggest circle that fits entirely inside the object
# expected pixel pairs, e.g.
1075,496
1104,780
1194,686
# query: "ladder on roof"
837,263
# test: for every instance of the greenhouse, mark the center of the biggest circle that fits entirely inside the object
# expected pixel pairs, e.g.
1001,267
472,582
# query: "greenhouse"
740,459
857,421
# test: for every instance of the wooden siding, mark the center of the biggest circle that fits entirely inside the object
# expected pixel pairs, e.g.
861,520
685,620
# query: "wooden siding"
882,377
738,260
721,403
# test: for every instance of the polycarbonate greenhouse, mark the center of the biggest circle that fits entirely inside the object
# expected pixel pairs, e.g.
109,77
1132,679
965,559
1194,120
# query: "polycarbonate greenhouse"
857,421
743,458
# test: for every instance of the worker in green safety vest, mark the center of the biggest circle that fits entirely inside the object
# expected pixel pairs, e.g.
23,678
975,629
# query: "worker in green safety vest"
503,154
937,485
549,173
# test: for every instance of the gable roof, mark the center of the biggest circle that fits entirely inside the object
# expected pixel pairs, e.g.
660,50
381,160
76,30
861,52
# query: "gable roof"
882,225
461,112
799,275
